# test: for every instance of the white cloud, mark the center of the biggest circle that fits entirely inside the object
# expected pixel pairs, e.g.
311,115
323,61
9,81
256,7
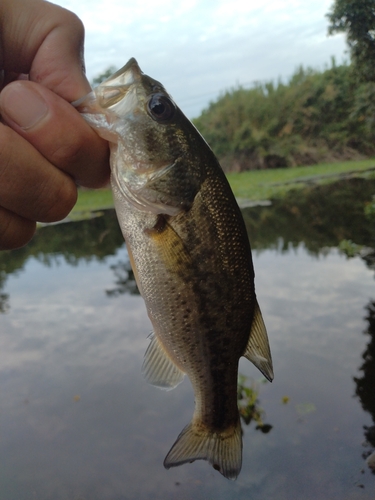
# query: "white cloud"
200,47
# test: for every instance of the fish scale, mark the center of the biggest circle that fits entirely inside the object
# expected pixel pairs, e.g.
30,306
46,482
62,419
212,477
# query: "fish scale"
191,258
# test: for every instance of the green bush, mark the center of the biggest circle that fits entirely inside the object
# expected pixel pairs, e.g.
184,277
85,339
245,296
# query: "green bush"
316,116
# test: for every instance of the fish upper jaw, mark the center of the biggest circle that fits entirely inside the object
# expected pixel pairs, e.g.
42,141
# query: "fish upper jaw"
125,76
118,94
114,103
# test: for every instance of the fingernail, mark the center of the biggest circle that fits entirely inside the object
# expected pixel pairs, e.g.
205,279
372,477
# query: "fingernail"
22,105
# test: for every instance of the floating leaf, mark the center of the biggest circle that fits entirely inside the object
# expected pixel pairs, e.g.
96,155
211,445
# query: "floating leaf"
305,408
248,404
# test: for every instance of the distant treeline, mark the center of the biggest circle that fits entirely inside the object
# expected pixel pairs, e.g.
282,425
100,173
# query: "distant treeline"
317,116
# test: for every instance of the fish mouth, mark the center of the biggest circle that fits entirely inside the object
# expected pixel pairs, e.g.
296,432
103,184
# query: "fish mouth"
115,88
128,74
111,91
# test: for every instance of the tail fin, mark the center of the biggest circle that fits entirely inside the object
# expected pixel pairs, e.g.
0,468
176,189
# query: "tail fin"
222,450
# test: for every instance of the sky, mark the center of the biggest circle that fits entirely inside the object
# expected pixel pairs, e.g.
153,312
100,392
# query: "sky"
200,48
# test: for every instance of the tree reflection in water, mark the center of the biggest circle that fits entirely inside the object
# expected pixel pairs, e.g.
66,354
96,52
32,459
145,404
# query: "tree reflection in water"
4,299
75,242
319,217
365,385
125,280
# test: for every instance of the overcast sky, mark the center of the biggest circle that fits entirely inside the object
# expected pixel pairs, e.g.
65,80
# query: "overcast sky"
198,48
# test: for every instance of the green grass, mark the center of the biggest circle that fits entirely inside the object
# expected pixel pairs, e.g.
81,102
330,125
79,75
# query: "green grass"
89,200
257,185
253,185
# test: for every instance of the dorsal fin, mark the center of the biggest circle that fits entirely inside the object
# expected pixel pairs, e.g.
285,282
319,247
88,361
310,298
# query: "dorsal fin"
258,350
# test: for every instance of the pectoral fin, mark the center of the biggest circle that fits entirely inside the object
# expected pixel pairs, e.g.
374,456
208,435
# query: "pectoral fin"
158,368
258,350
170,247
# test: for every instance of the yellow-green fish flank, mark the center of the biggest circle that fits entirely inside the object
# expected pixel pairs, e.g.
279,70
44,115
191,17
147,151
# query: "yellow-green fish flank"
191,256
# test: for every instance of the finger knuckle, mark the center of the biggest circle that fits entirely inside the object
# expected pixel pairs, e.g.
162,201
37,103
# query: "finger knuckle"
6,148
69,18
56,201
69,151
15,231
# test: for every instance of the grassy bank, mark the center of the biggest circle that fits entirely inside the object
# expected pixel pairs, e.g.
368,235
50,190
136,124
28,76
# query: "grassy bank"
253,185
266,184
88,200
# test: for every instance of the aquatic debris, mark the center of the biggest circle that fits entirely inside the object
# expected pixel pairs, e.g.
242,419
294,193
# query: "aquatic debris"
248,404
305,408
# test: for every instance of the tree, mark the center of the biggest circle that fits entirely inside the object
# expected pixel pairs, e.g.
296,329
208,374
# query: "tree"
356,18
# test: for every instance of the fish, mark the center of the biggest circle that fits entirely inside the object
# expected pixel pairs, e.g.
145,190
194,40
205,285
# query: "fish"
191,257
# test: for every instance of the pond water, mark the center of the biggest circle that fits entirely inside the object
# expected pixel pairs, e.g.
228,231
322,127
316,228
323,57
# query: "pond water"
77,420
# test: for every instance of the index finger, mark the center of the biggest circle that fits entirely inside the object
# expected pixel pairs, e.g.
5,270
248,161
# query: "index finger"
44,41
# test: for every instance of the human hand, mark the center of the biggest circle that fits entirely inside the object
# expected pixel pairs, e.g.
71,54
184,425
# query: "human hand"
46,147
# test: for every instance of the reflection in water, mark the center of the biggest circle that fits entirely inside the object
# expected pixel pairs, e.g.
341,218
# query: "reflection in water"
369,257
365,389
248,404
4,297
69,336
83,241
125,280
319,217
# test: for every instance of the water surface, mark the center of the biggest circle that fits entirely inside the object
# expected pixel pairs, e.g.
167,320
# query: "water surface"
77,420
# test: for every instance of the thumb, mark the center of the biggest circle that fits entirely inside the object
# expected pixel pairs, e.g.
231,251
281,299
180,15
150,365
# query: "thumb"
57,131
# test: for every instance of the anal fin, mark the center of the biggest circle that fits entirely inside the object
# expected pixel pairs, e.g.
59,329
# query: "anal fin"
258,350
158,368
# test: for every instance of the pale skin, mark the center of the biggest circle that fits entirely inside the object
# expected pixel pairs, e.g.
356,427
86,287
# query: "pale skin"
46,148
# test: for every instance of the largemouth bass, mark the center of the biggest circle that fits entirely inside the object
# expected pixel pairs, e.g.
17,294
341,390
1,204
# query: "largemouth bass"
191,257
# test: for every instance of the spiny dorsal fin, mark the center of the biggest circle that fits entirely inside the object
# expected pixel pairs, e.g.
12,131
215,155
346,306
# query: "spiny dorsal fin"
258,350
158,369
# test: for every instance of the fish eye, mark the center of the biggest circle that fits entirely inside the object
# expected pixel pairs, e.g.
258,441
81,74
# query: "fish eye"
161,108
